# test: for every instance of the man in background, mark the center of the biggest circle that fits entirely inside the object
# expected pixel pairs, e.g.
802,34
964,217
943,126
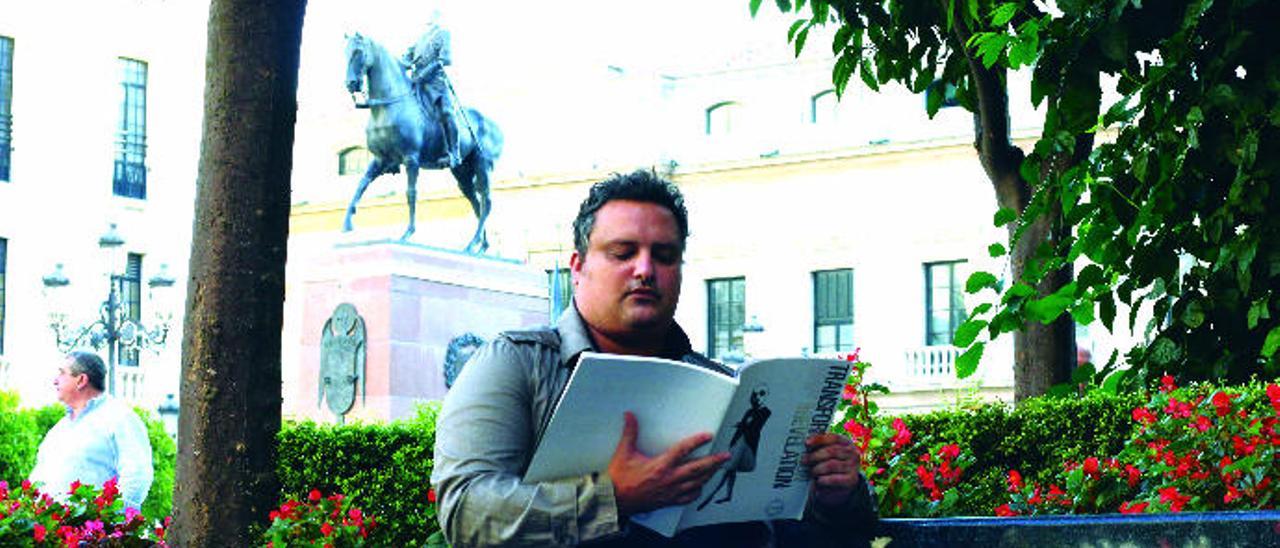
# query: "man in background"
99,438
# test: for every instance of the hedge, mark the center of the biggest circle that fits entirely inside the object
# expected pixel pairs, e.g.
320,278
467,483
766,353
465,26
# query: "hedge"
384,467
1036,437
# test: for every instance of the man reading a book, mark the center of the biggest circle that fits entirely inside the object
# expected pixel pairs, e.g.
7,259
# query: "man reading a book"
629,239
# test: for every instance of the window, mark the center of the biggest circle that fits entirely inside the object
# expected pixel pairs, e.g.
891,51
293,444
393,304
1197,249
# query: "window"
353,161
6,105
560,285
833,311
130,178
721,118
726,314
943,301
4,256
822,108
944,93
131,301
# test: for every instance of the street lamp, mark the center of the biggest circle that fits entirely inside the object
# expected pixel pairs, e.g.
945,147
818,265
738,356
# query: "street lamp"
114,328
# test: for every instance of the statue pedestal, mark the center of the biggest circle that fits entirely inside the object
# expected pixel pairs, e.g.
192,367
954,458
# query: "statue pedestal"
414,300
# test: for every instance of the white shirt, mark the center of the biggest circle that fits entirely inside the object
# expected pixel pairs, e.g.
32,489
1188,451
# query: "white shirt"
106,440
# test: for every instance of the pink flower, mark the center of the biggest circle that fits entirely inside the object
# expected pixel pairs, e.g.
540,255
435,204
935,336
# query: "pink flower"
901,436
1143,415
1222,403
949,451
38,533
326,529
1166,384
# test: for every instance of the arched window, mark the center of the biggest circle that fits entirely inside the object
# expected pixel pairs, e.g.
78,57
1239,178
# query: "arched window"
722,118
822,107
353,161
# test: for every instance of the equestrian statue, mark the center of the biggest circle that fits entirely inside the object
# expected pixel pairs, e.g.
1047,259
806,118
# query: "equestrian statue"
415,121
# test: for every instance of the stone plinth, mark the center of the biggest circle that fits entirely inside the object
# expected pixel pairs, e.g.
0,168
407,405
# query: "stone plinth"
414,300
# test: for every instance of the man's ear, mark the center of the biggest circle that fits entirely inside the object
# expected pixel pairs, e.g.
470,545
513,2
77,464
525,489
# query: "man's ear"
575,267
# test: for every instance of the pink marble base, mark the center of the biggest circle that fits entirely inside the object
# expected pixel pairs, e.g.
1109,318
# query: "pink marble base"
414,300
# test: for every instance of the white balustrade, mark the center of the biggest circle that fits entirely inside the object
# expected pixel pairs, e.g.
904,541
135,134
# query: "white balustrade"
931,364
130,382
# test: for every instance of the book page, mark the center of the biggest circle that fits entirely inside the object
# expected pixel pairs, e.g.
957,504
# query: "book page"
671,401
778,405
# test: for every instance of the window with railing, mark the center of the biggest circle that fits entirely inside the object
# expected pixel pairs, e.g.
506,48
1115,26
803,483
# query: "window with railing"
833,310
4,258
560,290
130,176
131,301
354,161
726,315
6,106
943,301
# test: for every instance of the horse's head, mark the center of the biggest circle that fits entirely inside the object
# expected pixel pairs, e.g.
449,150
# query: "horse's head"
358,61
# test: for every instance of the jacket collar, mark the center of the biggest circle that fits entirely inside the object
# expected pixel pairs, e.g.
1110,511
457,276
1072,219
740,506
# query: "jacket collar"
576,339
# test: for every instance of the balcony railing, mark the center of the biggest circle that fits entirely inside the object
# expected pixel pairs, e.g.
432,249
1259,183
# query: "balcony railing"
130,179
932,364
129,384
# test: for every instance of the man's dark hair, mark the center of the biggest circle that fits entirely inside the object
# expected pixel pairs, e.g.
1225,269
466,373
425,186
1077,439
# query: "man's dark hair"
89,364
641,185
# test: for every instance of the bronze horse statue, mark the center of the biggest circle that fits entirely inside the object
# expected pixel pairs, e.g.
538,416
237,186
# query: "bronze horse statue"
401,131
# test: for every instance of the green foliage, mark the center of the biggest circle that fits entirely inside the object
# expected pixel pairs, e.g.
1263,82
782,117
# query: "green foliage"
19,438
1037,437
164,460
384,469
1175,208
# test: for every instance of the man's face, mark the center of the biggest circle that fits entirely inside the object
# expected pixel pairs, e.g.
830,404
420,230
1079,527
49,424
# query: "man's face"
628,283
67,384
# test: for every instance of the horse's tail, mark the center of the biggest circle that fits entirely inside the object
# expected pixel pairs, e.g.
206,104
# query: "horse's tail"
488,136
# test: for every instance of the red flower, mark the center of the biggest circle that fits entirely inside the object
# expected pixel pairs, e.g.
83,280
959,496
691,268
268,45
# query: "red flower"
1128,508
901,436
1178,409
1143,415
1004,511
74,485
949,451
1166,384
1091,467
326,529
1232,494
1015,481
1176,500
1134,475
853,357
38,533
1201,423
1222,403
314,496
1273,393
431,496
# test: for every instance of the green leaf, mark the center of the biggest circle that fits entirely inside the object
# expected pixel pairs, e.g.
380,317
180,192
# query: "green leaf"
1001,15
978,281
1082,313
1193,316
1061,390
784,5
1258,311
967,332
801,37
1107,310
1165,351
1083,374
980,309
1047,308
967,363
1272,343
1005,216
755,7
1089,276
1021,289
1111,384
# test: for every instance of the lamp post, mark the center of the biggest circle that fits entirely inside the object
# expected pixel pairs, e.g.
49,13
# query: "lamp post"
114,328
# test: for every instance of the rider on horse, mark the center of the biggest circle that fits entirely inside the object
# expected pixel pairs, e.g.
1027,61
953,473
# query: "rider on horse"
426,60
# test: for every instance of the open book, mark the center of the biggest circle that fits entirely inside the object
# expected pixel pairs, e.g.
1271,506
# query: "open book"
762,418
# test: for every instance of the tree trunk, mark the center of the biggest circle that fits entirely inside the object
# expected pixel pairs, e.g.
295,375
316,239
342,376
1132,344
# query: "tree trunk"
230,416
1043,355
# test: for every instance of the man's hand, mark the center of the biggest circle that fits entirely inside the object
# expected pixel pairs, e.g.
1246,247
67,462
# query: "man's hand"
833,463
642,483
